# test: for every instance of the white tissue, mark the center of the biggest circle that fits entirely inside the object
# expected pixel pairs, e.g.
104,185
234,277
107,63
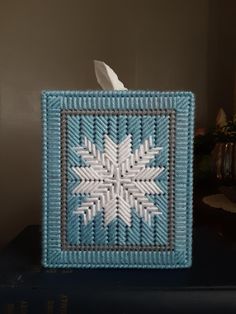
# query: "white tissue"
106,77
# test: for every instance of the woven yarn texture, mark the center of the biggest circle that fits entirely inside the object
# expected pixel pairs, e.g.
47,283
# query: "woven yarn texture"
117,172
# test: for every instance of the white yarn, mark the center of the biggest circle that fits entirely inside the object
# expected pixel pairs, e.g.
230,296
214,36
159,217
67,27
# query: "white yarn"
117,180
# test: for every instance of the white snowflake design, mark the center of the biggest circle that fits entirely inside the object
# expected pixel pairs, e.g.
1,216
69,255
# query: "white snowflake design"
117,180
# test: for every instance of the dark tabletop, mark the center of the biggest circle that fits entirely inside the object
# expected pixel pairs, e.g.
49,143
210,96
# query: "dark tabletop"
209,284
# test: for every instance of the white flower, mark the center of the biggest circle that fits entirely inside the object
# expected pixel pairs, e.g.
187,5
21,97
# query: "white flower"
117,180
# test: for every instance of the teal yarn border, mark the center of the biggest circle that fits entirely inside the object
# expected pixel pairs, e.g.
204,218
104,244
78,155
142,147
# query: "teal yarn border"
52,104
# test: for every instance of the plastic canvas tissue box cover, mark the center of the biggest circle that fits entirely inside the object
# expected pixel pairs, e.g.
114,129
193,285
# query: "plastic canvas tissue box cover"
117,172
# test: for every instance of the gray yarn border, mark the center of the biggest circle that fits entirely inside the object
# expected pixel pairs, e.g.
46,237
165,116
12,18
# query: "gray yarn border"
65,246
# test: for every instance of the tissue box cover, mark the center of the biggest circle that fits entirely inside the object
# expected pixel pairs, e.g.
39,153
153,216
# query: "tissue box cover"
117,179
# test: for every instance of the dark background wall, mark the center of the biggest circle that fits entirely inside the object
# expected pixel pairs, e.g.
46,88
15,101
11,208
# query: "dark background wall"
221,57
152,44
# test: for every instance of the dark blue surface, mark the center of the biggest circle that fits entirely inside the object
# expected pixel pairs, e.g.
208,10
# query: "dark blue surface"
209,284
214,260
